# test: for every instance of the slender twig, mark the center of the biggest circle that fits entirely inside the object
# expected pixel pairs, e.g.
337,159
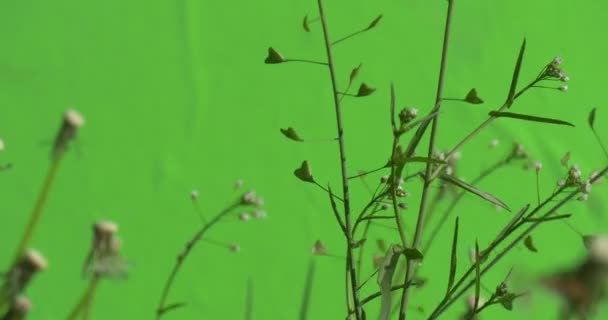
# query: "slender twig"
88,306
350,261
38,207
599,141
306,61
411,265
532,226
162,307
459,197
84,299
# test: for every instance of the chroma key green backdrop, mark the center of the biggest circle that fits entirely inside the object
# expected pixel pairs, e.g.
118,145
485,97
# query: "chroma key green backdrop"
177,97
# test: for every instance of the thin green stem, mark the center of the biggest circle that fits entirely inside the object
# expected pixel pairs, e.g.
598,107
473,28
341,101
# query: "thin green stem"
306,61
350,260
38,207
411,265
162,307
349,36
84,299
599,141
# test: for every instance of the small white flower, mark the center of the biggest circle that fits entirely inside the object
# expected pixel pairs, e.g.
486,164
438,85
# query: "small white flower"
494,143
586,187
238,184
557,60
402,205
235,247
260,214
561,183
412,112
384,179
194,194
385,206
583,197
563,88
244,216
538,166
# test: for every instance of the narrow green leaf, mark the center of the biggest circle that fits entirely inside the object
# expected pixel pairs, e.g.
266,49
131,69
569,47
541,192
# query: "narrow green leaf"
545,219
530,244
274,57
304,172
249,300
477,277
453,260
291,133
354,73
512,223
473,98
526,117
305,24
365,90
305,304
467,187
413,124
515,78
385,279
591,119
412,254
374,23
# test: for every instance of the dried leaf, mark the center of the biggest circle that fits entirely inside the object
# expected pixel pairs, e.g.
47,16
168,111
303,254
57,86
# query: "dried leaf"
319,248
305,304
516,71
385,279
473,98
453,260
467,187
304,172
529,244
591,119
354,73
526,117
565,159
381,245
507,300
274,57
374,23
365,90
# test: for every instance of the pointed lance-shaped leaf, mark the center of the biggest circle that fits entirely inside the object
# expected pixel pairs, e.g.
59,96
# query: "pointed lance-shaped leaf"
526,117
473,98
484,195
291,133
354,73
305,304
516,71
374,23
304,172
453,259
591,119
530,244
365,90
305,24
385,277
274,57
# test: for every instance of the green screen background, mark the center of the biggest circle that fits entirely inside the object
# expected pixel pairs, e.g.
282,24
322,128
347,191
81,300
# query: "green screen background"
177,97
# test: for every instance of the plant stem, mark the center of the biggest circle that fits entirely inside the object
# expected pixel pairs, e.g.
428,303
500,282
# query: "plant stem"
85,299
546,217
306,61
411,265
162,308
38,207
350,260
